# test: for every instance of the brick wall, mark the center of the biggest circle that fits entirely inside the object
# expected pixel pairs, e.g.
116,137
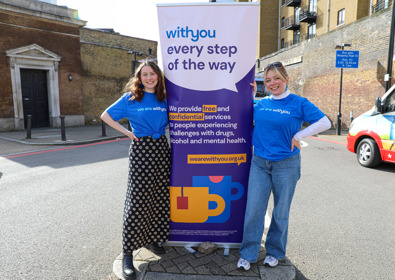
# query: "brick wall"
106,67
311,67
63,39
268,27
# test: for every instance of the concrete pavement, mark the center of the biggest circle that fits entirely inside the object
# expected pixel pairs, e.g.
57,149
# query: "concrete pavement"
178,262
53,136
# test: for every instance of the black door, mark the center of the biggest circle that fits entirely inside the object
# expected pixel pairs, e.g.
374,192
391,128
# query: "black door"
35,97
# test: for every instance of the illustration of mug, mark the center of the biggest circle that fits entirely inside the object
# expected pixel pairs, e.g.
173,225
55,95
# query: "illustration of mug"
191,205
224,187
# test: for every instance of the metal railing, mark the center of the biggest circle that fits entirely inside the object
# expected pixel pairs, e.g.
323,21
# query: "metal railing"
381,5
288,44
290,23
306,36
306,13
292,2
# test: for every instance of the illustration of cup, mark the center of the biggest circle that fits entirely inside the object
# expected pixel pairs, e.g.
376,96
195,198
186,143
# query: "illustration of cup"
223,187
191,205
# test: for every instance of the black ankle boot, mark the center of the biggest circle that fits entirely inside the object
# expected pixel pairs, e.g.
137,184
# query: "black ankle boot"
156,248
128,271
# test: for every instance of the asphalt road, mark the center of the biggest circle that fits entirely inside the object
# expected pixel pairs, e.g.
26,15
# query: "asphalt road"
61,214
342,221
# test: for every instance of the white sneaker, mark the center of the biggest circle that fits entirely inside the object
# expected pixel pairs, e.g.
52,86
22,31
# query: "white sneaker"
270,261
243,263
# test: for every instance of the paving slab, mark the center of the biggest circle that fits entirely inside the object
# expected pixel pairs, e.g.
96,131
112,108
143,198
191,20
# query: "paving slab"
179,263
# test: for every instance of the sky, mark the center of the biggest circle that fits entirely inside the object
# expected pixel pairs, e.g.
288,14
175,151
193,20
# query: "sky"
135,18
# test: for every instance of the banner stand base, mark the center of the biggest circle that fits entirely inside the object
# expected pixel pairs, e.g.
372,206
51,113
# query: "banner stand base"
188,245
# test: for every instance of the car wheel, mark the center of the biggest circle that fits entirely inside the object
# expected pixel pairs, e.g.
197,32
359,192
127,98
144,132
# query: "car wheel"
368,153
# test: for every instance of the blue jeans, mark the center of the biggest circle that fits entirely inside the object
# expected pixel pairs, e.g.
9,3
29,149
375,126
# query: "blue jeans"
279,177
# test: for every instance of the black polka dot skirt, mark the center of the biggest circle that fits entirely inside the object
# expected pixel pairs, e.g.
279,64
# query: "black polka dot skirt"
147,205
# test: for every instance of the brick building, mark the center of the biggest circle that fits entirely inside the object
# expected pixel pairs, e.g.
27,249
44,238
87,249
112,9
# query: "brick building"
301,20
107,66
303,35
311,66
50,65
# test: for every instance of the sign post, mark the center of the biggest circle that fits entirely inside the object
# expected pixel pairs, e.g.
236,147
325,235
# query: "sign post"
344,59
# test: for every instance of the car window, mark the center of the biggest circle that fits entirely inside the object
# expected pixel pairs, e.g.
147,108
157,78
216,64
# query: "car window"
390,103
260,94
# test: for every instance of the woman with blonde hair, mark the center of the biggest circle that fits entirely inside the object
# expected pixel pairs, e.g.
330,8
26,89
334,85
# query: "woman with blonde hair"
275,165
147,205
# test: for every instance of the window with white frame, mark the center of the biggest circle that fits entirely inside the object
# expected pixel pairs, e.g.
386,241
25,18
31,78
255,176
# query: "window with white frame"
296,36
311,30
313,6
340,17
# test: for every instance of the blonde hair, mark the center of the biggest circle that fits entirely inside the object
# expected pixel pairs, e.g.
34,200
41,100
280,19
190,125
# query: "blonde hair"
279,68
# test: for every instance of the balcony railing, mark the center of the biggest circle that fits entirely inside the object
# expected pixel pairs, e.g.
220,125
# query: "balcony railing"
305,37
291,24
381,5
294,3
307,16
288,44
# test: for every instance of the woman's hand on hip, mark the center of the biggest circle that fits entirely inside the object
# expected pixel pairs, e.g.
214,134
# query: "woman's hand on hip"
295,143
132,136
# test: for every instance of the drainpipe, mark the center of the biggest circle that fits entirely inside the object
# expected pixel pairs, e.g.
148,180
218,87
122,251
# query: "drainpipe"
279,25
327,16
370,8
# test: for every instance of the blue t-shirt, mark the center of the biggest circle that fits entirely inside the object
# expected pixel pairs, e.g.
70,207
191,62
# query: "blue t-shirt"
277,121
148,117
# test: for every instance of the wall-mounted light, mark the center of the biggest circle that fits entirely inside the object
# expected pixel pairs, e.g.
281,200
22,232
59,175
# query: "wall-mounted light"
341,47
70,77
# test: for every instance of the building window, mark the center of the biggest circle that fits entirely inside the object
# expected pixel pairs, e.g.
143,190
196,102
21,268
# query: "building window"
282,22
313,6
340,17
311,30
296,36
282,43
297,15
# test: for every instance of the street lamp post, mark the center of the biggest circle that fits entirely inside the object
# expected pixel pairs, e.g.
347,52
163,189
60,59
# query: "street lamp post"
134,62
339,115
390,51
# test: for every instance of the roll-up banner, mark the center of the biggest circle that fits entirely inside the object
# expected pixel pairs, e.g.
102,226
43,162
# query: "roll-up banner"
208,53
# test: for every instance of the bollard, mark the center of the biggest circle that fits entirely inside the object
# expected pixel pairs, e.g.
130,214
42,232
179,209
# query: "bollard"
29,127
351,116
103,128
339,124
63,128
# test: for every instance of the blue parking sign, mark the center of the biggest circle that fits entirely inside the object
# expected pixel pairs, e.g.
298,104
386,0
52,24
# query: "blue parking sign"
347,59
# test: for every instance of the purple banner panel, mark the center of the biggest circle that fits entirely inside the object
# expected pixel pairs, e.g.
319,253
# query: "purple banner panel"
209,53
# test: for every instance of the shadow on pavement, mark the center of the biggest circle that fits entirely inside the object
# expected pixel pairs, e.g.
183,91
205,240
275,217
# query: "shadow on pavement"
62,157
299,275
386,167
